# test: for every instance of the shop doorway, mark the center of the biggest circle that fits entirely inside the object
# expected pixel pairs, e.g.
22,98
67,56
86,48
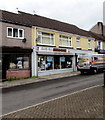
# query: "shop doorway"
5,65
56,62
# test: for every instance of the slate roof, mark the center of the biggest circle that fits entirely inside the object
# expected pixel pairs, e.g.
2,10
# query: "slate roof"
39,21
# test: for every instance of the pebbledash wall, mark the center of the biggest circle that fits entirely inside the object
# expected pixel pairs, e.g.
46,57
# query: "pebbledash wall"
57,57
16,54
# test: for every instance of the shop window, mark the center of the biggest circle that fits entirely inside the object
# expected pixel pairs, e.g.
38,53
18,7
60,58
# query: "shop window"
15,33
65,41
66,62
54,62
45,63
18,62
45,38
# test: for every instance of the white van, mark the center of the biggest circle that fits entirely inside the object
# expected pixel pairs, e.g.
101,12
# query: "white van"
91,63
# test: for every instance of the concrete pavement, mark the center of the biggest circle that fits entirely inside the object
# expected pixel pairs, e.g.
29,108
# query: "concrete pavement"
88,103
33,80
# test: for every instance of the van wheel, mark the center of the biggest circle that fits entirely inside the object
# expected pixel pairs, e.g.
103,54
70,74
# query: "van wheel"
82,72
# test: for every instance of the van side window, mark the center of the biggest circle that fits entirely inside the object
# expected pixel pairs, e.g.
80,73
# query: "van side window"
95,58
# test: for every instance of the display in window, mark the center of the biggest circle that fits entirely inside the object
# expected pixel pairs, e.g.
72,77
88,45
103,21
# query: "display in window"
16,62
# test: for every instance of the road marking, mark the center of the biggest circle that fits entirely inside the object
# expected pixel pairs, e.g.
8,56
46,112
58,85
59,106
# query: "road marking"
50,100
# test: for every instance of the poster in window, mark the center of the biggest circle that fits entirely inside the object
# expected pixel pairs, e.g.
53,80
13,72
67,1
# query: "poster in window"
49,59
19,64
62,59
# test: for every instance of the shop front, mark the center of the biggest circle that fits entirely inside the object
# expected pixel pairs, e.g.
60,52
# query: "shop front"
54,60
16,63
47,62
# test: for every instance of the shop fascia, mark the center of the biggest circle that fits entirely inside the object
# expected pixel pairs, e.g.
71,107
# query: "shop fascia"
50,49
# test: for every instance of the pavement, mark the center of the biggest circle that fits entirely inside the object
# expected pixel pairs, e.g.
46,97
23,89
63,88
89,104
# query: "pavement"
88,103
14,83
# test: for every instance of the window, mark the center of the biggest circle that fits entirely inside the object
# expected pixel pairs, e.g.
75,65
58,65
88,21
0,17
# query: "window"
78,42
65,41
89,43
45,38
66,62
9,32
99,45
54,62
45,63
15,33
18,62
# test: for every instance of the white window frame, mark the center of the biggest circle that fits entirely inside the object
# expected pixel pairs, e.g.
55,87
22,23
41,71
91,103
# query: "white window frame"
78,40
101,47
18,33
39,33
12,32
89,44
69,40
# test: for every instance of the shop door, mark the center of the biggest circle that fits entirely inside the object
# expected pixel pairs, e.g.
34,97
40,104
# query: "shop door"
4,65
56,62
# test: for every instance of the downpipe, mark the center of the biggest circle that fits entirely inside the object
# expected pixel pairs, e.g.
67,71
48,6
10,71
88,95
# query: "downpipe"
104,79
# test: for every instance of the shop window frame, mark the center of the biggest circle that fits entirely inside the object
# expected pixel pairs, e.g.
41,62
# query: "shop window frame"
17,59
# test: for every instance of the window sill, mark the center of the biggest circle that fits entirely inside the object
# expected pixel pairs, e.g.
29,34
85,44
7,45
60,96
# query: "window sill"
89,49
18,69
46,45
78,48
69,47
15,38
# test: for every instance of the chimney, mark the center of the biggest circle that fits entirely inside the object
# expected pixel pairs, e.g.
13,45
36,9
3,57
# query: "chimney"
101,28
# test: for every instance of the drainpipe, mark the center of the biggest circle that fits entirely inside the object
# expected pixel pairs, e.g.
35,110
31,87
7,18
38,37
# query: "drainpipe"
104,79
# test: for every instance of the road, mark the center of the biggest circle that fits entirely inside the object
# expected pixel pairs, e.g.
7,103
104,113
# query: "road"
22,96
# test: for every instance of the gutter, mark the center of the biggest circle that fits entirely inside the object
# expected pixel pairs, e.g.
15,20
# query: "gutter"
17,23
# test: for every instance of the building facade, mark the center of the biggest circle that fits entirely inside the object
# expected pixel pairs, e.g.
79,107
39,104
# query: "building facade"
33,45
16,47
99,29
57,51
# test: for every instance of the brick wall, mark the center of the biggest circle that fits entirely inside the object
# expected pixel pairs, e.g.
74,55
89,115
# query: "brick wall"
17,74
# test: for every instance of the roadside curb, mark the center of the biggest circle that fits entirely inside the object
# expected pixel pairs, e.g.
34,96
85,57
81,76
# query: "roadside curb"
37,81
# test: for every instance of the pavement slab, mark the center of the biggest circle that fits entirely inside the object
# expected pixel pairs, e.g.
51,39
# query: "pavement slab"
84,104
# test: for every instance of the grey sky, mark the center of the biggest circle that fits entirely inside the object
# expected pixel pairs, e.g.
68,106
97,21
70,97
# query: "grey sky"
82,13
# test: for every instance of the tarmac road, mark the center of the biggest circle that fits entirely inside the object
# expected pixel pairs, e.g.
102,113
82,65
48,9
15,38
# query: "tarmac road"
16,98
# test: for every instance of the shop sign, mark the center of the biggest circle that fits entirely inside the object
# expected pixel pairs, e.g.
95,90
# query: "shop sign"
59,50
45,49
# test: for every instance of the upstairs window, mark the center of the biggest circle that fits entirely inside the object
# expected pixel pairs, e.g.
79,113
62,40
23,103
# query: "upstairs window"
99,45
78,42
65,41
15,33
89,43
45,38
